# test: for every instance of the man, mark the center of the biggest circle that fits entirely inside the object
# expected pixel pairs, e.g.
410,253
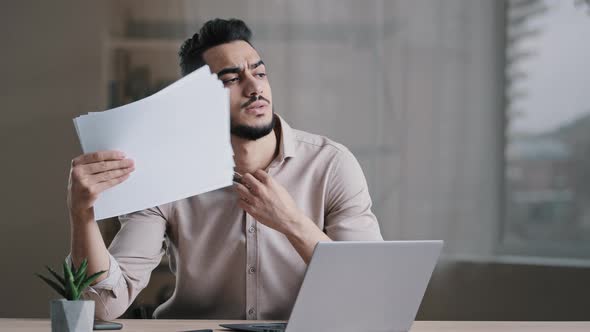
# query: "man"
238,252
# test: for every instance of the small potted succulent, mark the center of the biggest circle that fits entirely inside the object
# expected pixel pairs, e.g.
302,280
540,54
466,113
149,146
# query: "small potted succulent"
70,313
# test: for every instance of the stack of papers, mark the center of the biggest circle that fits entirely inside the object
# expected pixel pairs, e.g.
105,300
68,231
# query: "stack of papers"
179,139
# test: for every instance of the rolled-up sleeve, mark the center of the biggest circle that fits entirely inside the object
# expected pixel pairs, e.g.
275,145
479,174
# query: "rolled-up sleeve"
136,251
348,211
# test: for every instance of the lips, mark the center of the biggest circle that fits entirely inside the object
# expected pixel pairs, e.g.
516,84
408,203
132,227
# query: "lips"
256,108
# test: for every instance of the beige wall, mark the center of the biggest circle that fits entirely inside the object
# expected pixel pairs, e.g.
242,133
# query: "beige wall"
50,65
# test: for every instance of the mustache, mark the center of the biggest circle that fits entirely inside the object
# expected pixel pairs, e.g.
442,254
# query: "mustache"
253,99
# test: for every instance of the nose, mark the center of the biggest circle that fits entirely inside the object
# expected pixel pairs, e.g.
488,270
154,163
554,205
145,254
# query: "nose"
252,87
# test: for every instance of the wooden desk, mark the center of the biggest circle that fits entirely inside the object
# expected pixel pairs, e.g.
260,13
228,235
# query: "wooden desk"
162,325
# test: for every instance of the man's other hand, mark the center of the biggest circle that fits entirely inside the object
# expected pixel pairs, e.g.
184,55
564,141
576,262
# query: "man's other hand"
268,202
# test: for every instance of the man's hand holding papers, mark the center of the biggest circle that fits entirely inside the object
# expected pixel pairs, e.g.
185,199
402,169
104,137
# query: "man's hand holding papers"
179,139
93,173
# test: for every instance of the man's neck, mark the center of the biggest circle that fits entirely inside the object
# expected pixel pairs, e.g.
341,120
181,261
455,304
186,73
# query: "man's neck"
250,156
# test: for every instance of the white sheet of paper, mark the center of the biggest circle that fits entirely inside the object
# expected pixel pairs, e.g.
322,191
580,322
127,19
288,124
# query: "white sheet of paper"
179,139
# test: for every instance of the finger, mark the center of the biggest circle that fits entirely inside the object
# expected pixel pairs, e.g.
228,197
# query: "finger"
251,210
97,156
104,166
244,206
245,194
252,183
262,176
102,186
109,175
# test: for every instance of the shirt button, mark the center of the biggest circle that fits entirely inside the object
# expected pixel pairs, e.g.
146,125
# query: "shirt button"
252,229
251,311
251,270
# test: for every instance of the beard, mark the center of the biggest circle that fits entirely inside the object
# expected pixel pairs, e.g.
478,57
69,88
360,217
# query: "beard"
253,133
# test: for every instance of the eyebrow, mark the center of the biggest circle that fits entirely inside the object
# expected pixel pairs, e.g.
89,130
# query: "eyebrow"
236,70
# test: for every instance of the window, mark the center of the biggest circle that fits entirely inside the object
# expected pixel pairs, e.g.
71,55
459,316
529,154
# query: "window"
547,153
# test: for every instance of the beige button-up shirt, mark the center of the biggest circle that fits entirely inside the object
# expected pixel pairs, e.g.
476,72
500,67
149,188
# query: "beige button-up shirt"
228,265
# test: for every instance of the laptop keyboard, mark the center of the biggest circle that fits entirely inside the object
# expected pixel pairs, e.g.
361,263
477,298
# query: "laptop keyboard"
271,327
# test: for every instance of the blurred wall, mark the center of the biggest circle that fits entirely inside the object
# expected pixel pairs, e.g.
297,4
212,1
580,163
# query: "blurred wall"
50,72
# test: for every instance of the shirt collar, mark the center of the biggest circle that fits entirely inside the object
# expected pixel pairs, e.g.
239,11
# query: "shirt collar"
287,144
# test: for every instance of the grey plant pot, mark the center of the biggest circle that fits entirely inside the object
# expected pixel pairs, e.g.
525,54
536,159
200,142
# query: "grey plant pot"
70,316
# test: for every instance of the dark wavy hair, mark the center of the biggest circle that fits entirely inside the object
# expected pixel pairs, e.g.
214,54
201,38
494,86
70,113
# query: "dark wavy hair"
214,32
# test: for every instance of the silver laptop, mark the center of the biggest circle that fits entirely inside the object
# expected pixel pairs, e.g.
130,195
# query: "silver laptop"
359,286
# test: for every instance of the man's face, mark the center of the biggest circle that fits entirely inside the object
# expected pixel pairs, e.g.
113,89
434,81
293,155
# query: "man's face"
241,70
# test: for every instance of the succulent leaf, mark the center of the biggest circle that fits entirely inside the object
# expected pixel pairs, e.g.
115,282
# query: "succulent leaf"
81,270
89,280
79,279
75,295
53,285
56,276
70,287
